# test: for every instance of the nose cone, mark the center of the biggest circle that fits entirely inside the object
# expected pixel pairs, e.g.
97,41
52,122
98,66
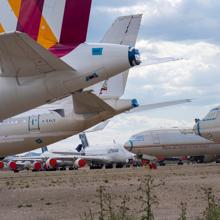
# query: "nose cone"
128,145
196,127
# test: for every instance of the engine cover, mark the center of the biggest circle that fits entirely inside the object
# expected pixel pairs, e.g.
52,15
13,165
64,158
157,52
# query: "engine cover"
12,165
79,163
51,163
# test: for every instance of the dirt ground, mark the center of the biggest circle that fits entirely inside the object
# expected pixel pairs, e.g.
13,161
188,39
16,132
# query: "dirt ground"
69,194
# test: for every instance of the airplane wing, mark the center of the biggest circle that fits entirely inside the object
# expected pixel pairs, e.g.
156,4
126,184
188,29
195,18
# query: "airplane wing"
158,105
87,158
63,157
21,56
159,60
23,159
87,102
101,126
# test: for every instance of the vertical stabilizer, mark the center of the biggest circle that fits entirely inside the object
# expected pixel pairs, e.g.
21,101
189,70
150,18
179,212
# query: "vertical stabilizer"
123,31
44,149
57,24
84,143
84,140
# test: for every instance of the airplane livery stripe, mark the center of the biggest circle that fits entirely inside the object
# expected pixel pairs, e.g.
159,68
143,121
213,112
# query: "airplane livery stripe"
2,29
15,5
46,36
33,9
75,22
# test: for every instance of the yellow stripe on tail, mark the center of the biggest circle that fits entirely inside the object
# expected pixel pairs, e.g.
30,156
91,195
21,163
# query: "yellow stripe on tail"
46,36
15,5
2,30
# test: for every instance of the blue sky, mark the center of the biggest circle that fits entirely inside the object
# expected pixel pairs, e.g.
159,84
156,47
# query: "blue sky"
179,28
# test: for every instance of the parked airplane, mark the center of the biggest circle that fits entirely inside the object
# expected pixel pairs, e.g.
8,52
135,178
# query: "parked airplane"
79,112
45,57
172,143
100,156
95,157
14,163
209,127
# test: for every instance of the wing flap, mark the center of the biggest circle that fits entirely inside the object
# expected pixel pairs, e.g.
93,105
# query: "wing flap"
21,56
87,102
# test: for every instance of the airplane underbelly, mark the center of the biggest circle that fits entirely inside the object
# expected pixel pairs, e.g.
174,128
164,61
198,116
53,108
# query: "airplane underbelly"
16,146
176,150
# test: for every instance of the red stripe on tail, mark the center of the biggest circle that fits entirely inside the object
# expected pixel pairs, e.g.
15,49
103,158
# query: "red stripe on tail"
75,22
30,17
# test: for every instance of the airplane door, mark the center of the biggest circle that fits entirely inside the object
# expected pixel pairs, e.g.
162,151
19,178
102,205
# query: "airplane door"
34,123
156,138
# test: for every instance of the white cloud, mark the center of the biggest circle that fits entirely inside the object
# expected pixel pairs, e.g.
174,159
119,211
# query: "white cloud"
154,8
194,74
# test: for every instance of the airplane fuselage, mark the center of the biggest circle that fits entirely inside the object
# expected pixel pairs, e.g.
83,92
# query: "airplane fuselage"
91,63
22,134
171,143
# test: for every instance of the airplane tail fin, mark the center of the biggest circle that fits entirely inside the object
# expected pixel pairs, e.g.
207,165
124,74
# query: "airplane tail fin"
123,31
44,149
52,23
84,142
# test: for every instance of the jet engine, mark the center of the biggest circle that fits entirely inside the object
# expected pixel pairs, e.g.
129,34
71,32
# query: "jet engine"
79,163
27,165
12,165
51,163
37,166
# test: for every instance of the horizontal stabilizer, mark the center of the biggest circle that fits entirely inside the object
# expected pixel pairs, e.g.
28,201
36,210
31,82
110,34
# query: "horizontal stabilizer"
159,60
21,56
158,105
87,102
101,126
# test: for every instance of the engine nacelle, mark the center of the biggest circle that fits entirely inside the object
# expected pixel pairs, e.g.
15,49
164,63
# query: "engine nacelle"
51,163
12,165
27,165
1,165
79,163
37,166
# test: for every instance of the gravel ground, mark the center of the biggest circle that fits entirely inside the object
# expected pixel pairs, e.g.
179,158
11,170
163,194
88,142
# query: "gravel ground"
69,194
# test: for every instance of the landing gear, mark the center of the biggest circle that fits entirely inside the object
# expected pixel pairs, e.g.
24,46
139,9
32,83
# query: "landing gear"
162,163
180,163
119,165
109,166
94,166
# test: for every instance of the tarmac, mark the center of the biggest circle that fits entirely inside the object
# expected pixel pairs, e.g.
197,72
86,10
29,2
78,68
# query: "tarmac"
71,194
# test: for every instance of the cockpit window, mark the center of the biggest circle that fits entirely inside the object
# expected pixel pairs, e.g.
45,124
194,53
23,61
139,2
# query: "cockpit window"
137,138
212,115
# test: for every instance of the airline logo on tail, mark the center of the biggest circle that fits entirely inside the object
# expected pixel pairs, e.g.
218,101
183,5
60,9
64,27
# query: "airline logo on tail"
58,25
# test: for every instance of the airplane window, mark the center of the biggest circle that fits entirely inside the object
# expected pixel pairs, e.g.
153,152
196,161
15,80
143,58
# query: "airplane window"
212,115
137,138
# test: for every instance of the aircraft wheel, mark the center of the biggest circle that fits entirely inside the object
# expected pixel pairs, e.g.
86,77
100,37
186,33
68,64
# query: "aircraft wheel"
180,163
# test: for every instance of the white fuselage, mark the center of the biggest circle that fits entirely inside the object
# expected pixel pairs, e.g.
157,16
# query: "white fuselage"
171,143
21,93
114,154
22,134
209,127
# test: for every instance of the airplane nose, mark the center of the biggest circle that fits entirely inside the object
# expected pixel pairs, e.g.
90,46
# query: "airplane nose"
129,145
196,127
